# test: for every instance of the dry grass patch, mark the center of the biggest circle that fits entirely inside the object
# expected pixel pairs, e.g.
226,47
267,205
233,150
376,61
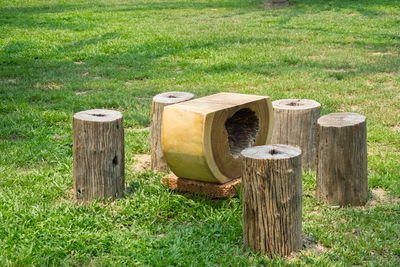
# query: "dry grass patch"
317,57
310,247
142,162
380,197
8,80
396,128
383,54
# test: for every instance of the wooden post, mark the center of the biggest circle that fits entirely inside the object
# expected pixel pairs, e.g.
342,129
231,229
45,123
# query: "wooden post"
272,199
342,177
276,3
296,125
158,162
98,149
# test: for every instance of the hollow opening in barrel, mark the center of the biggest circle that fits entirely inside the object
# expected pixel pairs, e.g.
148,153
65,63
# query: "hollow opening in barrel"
242,129
98,115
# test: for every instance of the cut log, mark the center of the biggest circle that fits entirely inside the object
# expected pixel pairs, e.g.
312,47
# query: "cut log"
276,3
342,177
98,151
158,162
272,199
296,125
202,138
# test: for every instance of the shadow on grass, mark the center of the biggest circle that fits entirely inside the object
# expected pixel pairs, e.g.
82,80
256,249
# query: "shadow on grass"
147,54
64,79
62,15
132,187
35,74
369,8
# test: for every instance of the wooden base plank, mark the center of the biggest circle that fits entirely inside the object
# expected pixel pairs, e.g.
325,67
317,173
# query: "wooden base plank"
213,190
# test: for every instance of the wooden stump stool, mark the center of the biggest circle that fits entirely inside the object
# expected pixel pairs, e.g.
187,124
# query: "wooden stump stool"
272,199
342,159
98,149
158,162
296,125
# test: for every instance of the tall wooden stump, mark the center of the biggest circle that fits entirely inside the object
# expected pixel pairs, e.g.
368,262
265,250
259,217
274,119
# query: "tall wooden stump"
296,125
272,199
342,177
158,162
99,159
276,3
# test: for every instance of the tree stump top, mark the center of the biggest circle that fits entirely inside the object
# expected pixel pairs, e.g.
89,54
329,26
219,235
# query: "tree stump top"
295,104
173,97
271,152
341,119
98,115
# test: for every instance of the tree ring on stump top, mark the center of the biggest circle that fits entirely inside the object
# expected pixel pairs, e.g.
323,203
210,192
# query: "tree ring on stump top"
295,104
242,129
172,97
341,119
271,152
98,115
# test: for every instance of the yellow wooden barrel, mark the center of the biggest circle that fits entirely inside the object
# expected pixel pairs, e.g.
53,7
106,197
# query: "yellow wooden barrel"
202,138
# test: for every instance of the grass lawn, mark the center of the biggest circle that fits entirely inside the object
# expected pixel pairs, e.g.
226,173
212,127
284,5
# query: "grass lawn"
59,57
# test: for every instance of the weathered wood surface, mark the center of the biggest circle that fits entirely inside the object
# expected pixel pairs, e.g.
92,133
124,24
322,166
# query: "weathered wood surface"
272,199
202,138
276,3
98,152
296,125
158,162
342,177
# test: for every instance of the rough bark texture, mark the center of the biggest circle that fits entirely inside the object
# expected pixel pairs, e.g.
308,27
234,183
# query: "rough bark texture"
158,162
98,150
342,177
272,199
296,125
276,3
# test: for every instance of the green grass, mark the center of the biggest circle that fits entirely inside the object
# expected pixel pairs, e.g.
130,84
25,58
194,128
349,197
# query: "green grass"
59,57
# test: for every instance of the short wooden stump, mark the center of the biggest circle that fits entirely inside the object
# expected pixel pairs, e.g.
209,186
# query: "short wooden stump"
272,199
342,177
296,125
98,151
213,190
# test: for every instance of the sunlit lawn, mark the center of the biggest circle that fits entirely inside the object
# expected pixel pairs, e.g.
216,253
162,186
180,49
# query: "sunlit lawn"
60,57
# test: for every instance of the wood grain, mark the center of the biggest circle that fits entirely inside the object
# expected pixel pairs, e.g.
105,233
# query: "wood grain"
160,101
296,125
272,199
202,138
342,177
98,151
